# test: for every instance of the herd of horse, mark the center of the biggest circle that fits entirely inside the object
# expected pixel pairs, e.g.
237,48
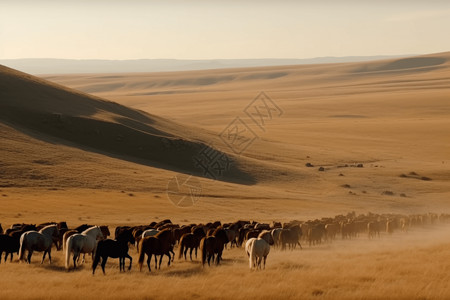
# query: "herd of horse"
158,239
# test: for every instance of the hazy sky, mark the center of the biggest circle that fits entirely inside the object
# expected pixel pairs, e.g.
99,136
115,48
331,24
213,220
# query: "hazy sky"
211,29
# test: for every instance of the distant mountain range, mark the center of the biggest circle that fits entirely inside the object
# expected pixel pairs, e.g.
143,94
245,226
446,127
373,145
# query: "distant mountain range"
71,66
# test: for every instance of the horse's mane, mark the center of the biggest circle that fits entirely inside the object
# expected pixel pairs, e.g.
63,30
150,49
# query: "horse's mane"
47,227
91,228
163,232
263,233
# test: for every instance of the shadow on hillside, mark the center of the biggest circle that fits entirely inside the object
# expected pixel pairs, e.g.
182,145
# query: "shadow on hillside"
125,143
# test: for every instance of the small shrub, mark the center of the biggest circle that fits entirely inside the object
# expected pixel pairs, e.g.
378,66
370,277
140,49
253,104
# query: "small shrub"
388,193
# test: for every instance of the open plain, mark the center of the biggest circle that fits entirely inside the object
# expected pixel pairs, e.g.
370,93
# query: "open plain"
327,140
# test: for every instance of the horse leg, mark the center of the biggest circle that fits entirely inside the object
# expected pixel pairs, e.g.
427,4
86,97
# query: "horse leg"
219,256
1,252
30,252
131,259
185,252
104,259
160,260
168,254
148,261
156,262
76,256
190,253
265,257
195,253
173,254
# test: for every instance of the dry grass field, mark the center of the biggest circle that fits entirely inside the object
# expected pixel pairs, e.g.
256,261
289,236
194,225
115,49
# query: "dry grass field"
67,153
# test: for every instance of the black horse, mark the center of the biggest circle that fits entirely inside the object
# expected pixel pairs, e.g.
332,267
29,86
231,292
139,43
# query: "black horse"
9,245
83,227
117,248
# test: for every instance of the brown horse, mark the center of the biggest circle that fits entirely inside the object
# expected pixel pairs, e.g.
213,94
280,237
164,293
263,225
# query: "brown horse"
291,237
214,244
191,241
20,228
119,230
105,231
179,232
160,244
253,233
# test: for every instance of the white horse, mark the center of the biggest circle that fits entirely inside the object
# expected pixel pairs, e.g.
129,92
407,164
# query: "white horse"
85,242
259,248
38,241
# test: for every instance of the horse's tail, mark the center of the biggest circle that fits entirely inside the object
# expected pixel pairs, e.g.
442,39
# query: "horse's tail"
182,245
63,244
97,256
252,254
203,250
23,245
69,245
141,254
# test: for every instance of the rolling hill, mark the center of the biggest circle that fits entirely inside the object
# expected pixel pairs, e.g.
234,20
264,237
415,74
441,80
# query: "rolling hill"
63,141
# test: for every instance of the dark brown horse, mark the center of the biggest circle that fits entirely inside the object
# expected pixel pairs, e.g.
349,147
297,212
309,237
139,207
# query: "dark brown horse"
105,231
179,232
161,223
113,248
1,229
119,230
291,237
9,245
20,228
83,227
191,241
252,233
214,244
160,244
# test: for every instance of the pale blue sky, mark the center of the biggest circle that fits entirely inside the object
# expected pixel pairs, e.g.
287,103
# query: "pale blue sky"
211,29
